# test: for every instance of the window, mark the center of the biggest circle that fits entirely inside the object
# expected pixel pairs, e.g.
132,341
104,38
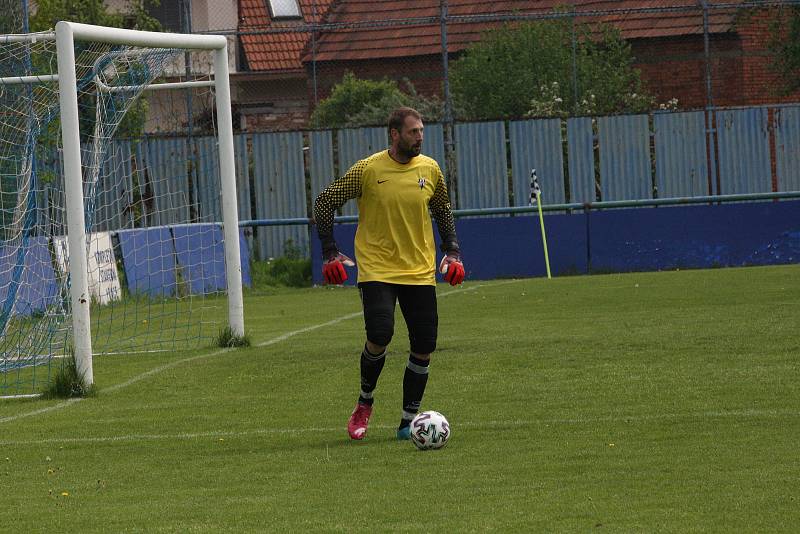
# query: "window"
168,13
284,9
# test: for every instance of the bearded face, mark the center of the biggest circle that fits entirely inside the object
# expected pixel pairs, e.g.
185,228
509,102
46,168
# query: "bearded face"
409,142
407,149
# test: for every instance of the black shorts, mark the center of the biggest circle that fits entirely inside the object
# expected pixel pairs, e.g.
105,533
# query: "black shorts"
418,304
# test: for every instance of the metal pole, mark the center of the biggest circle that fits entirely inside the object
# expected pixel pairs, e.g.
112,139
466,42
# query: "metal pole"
230,213
707,53
710,130
575,91
73,185
186,27
25,22
449,153
314,51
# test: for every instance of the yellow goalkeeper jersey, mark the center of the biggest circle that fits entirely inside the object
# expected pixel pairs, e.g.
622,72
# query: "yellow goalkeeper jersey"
394,241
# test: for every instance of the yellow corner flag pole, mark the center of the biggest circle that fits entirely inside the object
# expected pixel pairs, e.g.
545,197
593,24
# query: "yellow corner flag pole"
536,198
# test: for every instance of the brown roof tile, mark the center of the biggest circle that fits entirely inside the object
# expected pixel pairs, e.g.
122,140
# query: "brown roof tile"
418,36
276,51
381,29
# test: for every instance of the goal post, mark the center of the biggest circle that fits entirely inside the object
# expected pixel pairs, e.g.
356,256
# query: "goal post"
66,35
114,233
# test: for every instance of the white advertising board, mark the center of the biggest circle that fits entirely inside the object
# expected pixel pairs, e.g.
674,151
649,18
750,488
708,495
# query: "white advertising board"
103,277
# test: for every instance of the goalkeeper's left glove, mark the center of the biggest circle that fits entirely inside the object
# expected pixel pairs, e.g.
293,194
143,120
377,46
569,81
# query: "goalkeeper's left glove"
333,267
452,268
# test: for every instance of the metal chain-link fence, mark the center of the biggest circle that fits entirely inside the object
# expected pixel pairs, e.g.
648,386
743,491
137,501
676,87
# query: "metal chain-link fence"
608,100
552,58
689,55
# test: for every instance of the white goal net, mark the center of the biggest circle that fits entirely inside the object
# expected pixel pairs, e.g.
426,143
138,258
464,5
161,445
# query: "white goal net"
115,235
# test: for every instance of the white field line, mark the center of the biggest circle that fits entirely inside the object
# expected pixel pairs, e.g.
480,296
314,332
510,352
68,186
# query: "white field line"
177,363
492,425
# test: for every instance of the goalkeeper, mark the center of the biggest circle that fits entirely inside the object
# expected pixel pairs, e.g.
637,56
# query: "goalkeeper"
397,191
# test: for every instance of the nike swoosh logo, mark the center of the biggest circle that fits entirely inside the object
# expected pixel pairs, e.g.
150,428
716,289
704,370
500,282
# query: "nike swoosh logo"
382,181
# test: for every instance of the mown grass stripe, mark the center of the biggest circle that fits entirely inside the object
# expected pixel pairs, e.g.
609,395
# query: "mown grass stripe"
178,363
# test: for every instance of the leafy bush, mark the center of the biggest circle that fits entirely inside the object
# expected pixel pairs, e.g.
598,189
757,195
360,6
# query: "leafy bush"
528,70
784,43
356,102
292,269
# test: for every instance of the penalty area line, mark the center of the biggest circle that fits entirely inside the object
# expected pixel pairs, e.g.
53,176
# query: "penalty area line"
353,315
171,365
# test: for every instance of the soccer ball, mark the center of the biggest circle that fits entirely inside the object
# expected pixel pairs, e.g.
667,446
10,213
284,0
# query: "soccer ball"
430,430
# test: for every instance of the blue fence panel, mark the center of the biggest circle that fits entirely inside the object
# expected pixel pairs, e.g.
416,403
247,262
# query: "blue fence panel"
243,195
681,158
625,167
744,160
51,195
486,242
90,187
114,191
200,253
139,180
207,185
787,148
148,256
242,177
356,144
279,178
695,236
537,144
482,165
166,163
320,161
244,258
580,160
433,145
622,240
36,287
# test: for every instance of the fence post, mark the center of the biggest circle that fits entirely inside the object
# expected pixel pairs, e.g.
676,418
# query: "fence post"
711,132
314,52
449,155
575,90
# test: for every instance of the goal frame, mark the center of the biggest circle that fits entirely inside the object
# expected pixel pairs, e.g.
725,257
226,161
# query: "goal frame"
66,34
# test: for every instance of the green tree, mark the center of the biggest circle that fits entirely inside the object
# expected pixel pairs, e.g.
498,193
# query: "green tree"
356,102
133,16
12,18
784,43
527,70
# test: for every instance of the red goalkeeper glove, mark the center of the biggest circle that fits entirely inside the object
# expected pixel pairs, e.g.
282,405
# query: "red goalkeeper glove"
333,268
452,268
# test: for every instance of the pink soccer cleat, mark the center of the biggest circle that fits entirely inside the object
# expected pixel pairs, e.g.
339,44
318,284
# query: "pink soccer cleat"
359,419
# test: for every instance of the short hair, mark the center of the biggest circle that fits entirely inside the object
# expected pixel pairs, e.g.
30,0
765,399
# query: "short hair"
398,118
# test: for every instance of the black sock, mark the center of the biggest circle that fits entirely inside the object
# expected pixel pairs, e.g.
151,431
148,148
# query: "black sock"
371,367
414,381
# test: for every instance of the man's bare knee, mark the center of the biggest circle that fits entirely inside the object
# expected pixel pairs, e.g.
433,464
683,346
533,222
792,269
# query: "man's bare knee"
375,349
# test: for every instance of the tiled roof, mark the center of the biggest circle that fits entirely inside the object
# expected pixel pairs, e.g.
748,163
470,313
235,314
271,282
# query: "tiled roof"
370,36
279,51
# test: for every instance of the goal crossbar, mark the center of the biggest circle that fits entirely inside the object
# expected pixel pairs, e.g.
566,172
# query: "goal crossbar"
66,34
49,78
102,34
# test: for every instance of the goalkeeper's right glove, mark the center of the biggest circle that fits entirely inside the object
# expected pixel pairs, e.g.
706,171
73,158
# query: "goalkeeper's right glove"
333,267
452,268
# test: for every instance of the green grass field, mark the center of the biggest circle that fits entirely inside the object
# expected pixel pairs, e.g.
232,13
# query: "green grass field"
645,402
